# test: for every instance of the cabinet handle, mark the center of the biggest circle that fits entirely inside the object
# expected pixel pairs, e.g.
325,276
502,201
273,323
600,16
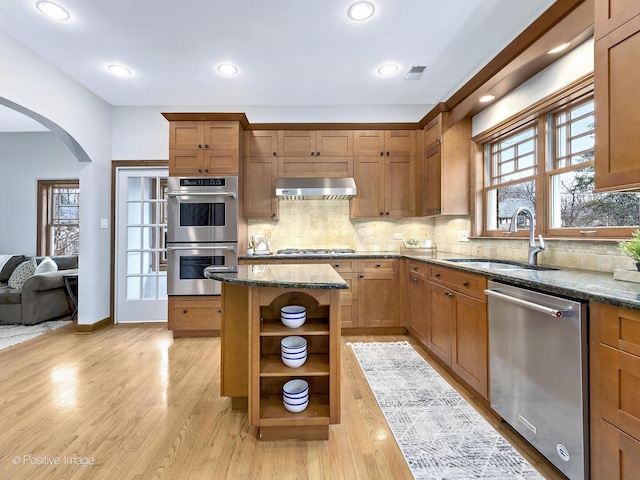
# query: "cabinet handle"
313,153
382,154
437,275
200,170
437,209
414,279
219,310
465,284
387,154
415,269
377,265
273,214
184,311
317,154
206,146
387,213
206,169
199,146
381,213
361,275
337,265
275,154
449,294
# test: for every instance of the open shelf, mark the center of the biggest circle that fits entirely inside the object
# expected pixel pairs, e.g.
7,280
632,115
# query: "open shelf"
316,365
313,326
273,413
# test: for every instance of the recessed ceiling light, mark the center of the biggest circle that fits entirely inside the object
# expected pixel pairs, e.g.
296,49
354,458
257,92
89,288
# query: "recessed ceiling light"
361,11
119,70
559,48
53,10
386,70
487,98
227,69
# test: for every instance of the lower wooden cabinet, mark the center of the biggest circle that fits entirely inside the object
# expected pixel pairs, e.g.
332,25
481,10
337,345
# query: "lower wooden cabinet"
195,315
418,319
378,292
614,454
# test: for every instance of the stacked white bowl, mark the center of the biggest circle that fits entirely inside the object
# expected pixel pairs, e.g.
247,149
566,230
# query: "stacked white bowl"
293,316
295,395
293,351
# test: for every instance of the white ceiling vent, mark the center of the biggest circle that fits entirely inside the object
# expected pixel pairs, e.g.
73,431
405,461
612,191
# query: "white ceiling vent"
415,72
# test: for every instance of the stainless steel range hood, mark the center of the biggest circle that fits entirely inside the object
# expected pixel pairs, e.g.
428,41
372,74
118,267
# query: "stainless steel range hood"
315,188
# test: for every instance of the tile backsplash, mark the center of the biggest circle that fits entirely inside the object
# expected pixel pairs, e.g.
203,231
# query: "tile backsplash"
326,223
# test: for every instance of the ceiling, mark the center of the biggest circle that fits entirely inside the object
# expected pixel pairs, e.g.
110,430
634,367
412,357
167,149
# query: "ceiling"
289,52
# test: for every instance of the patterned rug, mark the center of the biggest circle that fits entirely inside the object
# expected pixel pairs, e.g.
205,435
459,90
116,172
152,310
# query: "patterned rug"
11,335
441,436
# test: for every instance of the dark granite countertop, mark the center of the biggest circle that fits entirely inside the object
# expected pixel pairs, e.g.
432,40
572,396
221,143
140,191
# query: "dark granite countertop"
305,276
275,256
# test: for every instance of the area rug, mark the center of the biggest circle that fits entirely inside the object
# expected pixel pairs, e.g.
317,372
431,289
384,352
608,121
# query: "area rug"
13,334
440,435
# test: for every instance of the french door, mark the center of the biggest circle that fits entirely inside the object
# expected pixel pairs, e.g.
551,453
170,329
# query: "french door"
141,256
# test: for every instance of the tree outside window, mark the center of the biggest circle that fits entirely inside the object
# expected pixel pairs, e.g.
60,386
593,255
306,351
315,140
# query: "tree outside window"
58,217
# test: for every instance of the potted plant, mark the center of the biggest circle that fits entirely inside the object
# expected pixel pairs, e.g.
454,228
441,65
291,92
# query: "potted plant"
632,248
411,242
251,248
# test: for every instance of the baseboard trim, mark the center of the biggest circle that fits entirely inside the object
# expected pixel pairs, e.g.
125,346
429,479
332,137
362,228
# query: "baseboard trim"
94,327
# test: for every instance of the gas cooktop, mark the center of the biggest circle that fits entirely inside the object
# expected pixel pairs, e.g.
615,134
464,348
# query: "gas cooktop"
329,252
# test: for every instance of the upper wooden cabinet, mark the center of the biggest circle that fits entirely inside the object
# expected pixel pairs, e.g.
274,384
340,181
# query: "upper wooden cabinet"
261,143
611,14
444,183
259,177
310,143
313,167
204,148
617,96
385,142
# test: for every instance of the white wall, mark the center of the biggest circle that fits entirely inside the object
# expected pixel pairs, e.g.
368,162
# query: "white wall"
559,74
142,133
83,121
26,158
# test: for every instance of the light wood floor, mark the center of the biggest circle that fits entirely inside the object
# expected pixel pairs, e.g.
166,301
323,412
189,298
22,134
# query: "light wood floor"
141,405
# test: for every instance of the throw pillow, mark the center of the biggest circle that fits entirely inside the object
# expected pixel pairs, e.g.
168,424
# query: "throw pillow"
22,273
10,265
46,265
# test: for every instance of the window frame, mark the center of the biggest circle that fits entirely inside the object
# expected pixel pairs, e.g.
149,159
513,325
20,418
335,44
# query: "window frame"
43,237
573,94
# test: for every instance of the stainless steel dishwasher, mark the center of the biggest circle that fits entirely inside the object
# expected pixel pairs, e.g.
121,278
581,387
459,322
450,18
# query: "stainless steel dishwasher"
538,371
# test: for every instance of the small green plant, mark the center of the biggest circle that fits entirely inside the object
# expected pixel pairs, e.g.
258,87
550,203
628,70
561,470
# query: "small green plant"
632,247
411,242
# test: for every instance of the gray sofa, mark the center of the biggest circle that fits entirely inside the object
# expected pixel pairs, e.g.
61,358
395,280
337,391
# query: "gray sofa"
42,297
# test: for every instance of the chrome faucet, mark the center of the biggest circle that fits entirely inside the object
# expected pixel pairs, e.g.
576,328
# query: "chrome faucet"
533,248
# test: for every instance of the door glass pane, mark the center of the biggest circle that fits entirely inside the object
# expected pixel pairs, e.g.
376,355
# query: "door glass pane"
149,290
134,186
134,237
133,213
148,237
148,190
149,212
133,288
133,263
162,285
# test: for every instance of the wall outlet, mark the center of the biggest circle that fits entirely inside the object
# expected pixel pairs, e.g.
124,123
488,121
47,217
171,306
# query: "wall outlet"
397,236
463,236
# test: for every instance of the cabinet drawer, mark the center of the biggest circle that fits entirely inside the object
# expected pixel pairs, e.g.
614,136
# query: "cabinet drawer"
617,327
468,283
614,455
615,388
418,269
194,314
385,265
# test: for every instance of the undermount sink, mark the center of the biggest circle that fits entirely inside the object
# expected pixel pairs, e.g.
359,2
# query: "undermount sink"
491,264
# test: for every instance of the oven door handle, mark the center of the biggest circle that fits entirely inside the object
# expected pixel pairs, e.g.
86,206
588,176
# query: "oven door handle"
533,306
232,248
202,194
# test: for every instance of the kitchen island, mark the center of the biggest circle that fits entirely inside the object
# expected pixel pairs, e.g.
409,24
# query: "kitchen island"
251,369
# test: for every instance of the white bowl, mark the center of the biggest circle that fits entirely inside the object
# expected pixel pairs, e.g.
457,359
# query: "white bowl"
295,386
296,397
293,344
295,408
294,362
293,323
293,310
301,353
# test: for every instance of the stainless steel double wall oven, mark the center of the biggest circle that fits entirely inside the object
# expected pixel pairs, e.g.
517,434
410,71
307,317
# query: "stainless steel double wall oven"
202,231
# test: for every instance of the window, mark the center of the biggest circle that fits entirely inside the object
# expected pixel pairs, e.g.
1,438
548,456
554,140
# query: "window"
58,217
545,162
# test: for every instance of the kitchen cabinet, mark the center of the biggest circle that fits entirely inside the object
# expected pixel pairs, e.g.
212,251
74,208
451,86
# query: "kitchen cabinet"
378,291
417,298
617,118
457,326
194,316
204,148
387,143
310,154
444,183
611,14
259,176
261,143
615,389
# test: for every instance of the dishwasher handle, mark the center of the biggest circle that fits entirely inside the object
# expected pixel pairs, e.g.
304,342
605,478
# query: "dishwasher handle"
524,303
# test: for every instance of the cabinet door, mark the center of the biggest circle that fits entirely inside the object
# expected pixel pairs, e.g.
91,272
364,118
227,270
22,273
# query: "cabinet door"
334,143
294,143
417,303
369,177
433,132
221,162
349,301
261,143
186,162
314,167
441,310
610,14
378,300
469,354
186,135
399,190
433,195
188,313
614,454
399,143
222,135
617,96
260,187
368,143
